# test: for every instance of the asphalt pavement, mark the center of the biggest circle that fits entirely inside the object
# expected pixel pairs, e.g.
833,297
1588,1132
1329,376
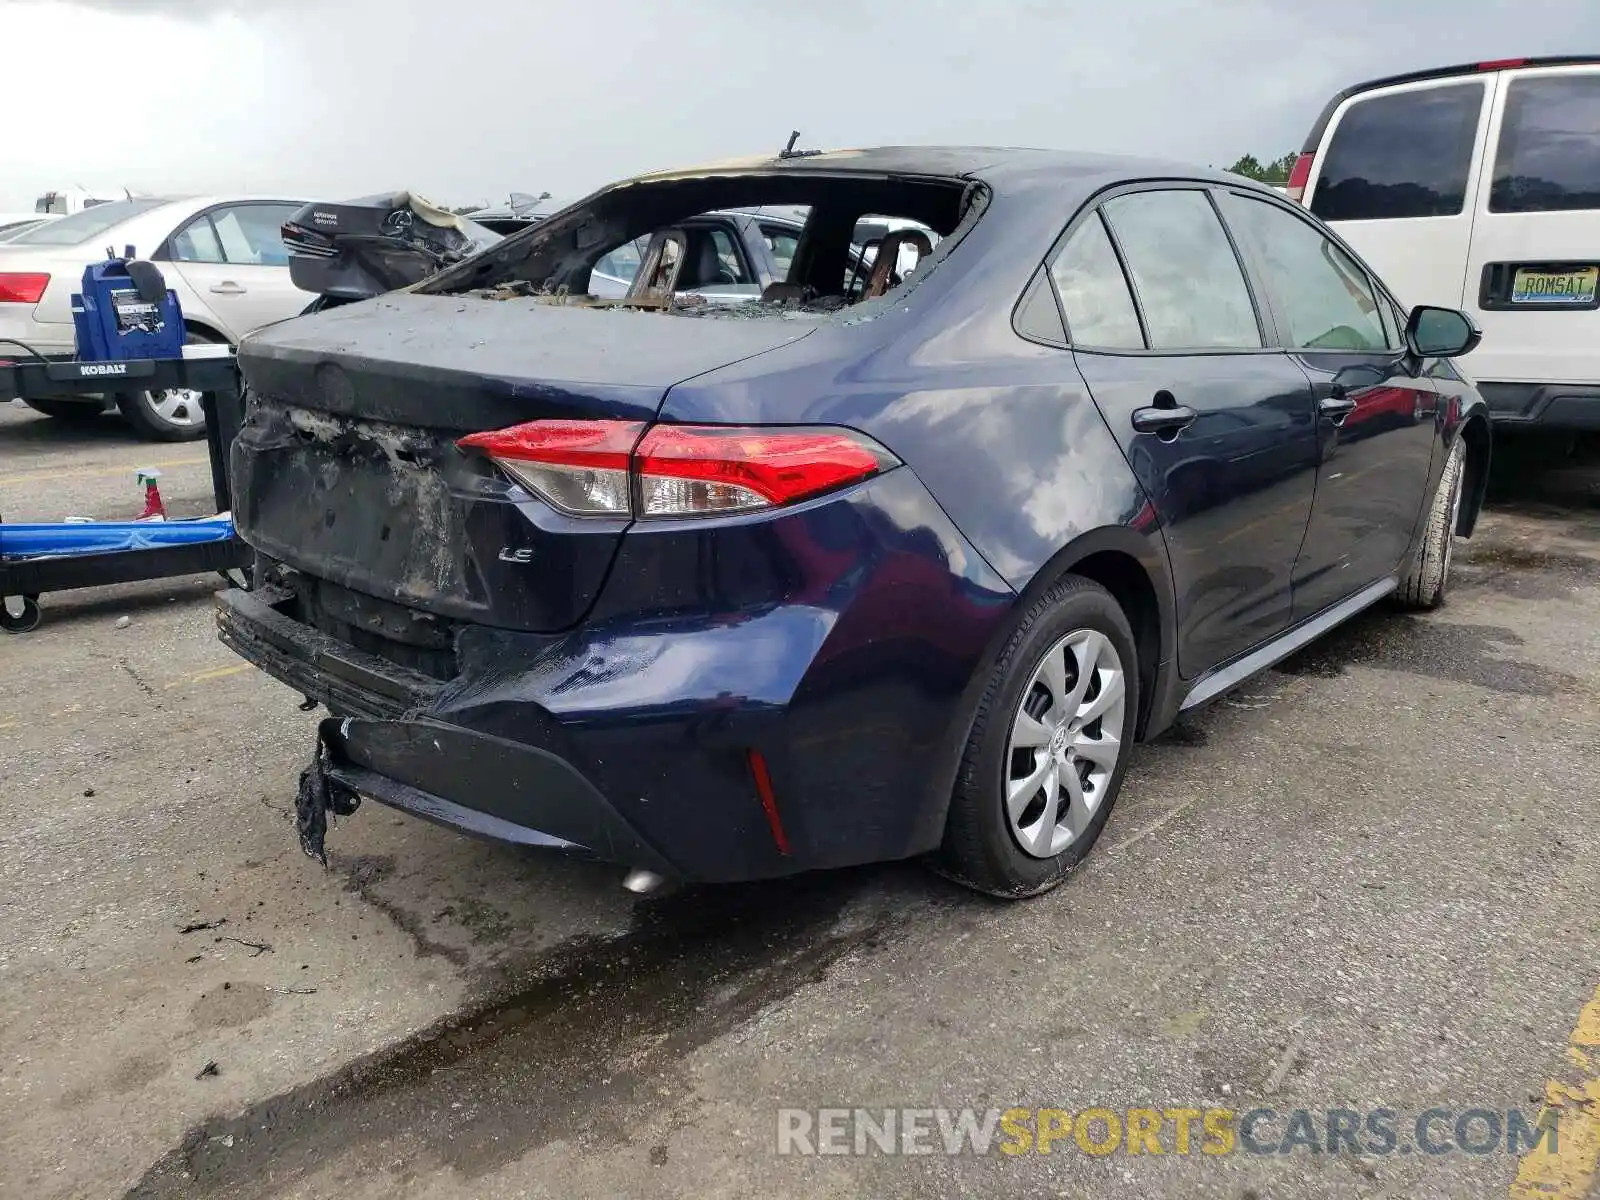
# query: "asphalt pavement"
1365,883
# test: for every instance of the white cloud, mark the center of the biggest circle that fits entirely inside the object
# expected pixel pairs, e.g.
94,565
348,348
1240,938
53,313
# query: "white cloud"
469,101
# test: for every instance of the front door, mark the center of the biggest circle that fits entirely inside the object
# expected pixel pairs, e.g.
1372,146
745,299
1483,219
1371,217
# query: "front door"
1217,427
1376,424
234,259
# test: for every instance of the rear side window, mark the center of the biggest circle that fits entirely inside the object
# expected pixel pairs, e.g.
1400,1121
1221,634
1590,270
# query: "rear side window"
1326,301
1403,155
1094,292
1549,156
1186,277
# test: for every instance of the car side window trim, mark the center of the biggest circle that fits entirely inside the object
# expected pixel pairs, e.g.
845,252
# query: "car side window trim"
1374,284
1127,275
1258,301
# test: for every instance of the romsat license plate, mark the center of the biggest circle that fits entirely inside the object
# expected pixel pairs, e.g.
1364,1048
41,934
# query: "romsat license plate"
1554,287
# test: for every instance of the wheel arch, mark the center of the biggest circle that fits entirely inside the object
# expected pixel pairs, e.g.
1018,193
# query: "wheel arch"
205,330
1130,564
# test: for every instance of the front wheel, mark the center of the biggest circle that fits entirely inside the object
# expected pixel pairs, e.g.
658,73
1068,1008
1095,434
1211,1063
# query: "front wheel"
1428,573
168,415
1049,745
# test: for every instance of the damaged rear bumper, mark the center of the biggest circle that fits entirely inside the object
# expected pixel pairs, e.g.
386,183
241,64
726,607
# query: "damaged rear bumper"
476,782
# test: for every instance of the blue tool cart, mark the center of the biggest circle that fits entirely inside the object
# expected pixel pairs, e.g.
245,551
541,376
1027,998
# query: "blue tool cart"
36,559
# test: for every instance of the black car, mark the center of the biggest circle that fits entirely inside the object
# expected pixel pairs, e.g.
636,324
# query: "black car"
840,574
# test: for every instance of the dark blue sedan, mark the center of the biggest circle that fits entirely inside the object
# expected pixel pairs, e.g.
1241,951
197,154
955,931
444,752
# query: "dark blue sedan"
900,559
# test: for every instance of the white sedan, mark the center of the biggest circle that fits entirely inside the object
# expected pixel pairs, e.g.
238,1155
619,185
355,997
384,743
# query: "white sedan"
223,256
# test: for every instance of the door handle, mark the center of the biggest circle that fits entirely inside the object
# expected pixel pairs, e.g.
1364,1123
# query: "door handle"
1336,407
228,288
1163,420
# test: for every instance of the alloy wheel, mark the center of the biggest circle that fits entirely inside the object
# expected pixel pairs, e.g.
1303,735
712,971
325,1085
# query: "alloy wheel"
1066,741
179,407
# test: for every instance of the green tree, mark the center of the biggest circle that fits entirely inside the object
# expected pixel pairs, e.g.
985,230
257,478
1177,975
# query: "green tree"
1276,171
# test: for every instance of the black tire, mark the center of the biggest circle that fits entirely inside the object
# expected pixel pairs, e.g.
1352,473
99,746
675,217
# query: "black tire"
1427,574
139,410
78,412
979,848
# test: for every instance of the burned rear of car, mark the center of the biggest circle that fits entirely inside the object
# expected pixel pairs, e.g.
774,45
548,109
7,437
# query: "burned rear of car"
546,604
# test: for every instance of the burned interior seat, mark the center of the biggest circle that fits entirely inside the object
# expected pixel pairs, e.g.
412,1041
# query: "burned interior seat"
885,266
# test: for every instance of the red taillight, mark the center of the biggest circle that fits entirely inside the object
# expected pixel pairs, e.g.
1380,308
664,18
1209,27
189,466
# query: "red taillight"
581,467
686,470
1299,176
1501,64
604,468
22,287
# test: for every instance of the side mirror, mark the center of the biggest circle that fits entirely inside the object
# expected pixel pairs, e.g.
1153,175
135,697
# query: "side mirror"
1441,332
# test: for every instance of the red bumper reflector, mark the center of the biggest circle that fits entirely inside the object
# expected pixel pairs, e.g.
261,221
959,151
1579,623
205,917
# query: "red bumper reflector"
769,802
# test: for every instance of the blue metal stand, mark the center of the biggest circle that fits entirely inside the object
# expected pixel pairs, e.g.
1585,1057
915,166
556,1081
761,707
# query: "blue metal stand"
35,559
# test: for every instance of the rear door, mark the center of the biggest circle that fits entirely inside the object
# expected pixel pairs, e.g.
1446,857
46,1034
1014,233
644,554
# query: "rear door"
1394,175
1535,254
1376,415
1217,426
234,259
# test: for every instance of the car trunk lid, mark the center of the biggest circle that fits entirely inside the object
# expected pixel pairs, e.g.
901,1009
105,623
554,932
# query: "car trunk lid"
347,471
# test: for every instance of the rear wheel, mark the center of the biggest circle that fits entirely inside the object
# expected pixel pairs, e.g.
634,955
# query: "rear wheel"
77,411
168,415
1049,745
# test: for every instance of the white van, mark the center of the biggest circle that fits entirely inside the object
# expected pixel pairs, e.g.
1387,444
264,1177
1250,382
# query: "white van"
1478,187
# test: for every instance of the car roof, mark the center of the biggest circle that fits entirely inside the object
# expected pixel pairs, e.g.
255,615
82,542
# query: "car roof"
992,164
1320,127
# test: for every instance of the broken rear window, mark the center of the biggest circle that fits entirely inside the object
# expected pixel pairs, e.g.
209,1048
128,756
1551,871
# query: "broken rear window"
708,244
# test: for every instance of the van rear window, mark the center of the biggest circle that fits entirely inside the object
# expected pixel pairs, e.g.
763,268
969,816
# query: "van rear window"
1407,154
1549,156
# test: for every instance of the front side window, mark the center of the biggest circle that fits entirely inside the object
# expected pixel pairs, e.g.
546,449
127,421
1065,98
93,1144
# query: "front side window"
1549,155
1324,298
197,243
1407,154
1094,291
252,234
1186,277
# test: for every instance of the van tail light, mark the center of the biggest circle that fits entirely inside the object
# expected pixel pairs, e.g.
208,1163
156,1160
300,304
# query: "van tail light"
1299,177
605,468
22,287
1502,64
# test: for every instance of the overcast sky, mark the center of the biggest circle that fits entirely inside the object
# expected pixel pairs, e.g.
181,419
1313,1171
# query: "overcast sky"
465,102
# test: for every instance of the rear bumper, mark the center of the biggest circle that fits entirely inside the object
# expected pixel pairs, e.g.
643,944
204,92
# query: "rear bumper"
629,738
1543,405
479,783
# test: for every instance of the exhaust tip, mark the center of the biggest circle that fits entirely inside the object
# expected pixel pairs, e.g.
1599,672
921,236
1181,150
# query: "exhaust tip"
641,882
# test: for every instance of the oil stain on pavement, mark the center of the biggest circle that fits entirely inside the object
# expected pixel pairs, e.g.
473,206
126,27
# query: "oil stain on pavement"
1392,641
597,1036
